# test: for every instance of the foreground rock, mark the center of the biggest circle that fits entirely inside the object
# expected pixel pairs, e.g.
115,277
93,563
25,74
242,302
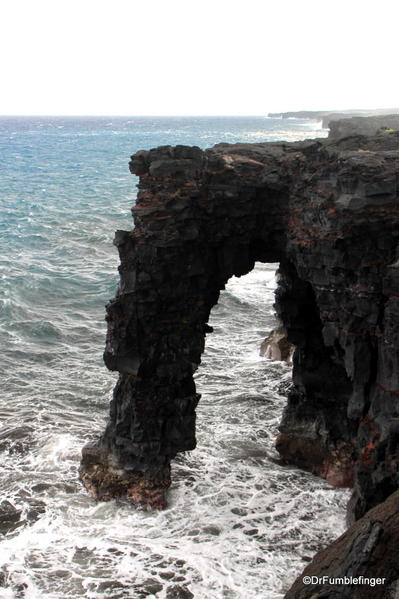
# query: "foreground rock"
328,212
368,550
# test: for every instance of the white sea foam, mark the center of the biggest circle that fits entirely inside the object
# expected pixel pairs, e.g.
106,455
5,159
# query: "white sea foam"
237,521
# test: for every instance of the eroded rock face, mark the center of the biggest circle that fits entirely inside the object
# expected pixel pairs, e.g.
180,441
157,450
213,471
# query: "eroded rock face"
328,213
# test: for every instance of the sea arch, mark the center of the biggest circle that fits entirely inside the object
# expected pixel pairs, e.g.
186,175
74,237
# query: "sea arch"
202,217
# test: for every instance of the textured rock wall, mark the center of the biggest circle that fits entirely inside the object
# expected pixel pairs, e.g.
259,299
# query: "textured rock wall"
328,212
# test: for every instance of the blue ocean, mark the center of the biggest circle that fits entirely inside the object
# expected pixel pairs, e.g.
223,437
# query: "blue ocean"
239,524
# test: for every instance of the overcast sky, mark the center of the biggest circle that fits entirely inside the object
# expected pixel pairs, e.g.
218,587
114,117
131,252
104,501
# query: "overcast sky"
197,57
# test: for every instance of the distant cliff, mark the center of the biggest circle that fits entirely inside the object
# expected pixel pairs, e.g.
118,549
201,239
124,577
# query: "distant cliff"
328,212
328,116
363,126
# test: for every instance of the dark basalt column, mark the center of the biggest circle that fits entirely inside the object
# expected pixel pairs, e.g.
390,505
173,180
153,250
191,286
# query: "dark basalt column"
315,432
329,214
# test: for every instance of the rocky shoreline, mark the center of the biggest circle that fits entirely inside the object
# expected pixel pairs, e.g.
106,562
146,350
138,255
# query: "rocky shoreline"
328,212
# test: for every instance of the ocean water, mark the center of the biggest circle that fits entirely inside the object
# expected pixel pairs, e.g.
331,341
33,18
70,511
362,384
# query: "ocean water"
239,524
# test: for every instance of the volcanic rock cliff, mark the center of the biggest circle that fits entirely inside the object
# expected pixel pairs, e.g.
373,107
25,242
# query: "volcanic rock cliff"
345,127
328,212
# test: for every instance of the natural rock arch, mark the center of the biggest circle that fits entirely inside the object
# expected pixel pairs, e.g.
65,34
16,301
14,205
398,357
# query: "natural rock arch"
202,217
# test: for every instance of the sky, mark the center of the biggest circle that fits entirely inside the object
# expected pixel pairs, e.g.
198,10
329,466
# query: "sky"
191,57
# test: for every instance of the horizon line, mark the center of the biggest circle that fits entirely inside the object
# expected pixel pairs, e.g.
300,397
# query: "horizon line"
263,115
26,115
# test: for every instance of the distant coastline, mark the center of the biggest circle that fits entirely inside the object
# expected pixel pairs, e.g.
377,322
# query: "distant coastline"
326,116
